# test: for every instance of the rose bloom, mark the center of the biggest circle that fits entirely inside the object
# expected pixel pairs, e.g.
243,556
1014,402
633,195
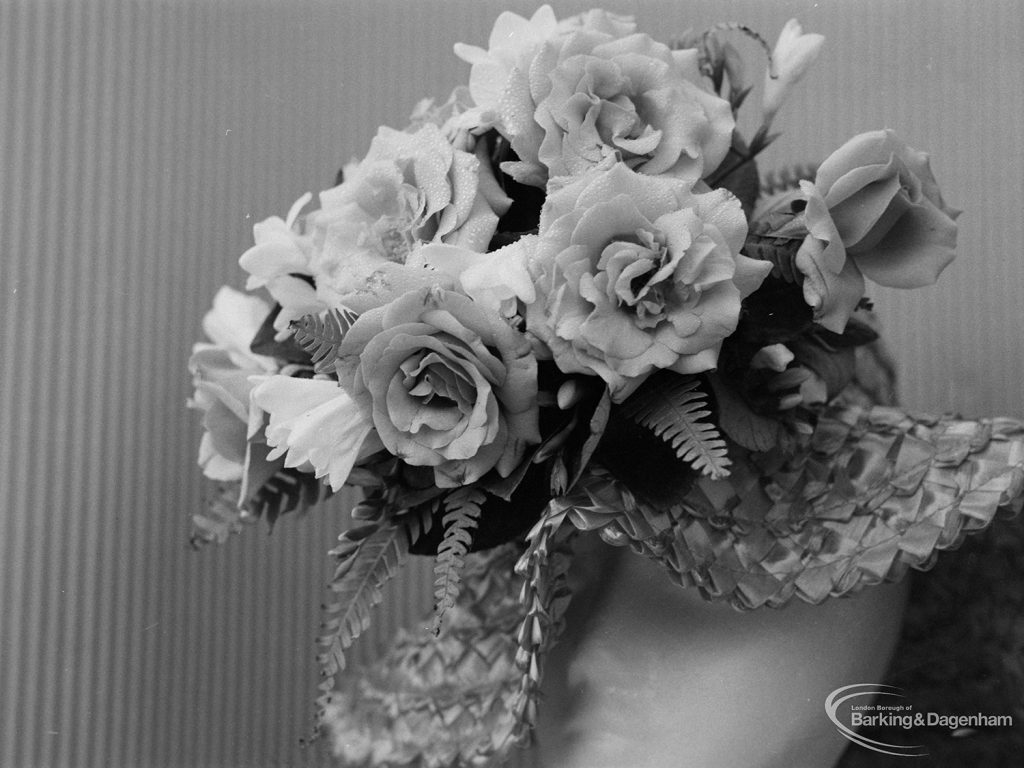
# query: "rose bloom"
888,210
636,273
221,372
411,188
591,95
447,384
513,43
875,211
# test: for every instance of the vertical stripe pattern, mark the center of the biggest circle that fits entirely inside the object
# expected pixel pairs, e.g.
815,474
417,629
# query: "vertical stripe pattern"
140,141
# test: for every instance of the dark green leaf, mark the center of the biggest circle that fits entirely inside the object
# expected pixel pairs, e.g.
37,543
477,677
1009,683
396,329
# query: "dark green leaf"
739,175
834,367
597,425
857,333
742,425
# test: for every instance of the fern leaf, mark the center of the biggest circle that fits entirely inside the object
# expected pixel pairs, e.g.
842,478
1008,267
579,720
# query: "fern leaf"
284,491
674,408
369,556
221,519
419,520
287,490
321,336
781,252
787,178
372,508
462,515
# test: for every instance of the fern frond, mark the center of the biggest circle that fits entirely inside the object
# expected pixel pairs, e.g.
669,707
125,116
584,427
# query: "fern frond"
372,508
462,515
778,201
780,252
419,520
321,336
674,411
787,178
368,557
221,518
287,490
544,598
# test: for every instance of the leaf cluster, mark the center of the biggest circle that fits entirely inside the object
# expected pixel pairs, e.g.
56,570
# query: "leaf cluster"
663,437
288,491
221,517
676,410
514,503
368,557
276,491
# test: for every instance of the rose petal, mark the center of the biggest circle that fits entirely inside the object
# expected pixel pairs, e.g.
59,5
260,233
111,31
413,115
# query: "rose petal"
233,322
216,466
317,422
749,274
860,198
916,253
721,209
225,433
832,296
698,362
604,221
868,148
271,259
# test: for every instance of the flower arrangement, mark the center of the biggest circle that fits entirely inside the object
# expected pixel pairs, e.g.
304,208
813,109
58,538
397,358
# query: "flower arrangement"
568,300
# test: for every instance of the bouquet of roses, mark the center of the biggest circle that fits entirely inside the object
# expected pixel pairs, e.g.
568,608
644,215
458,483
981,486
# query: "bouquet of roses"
567,299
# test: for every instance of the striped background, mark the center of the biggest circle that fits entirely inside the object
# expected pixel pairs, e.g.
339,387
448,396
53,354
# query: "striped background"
139,142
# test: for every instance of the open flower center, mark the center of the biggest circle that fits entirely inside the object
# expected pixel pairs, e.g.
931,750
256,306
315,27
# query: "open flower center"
397,217
621,125
392,238
638,271
608,115
439,393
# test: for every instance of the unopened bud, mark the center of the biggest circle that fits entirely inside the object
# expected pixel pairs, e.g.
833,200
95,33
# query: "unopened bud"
569,394
793,55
